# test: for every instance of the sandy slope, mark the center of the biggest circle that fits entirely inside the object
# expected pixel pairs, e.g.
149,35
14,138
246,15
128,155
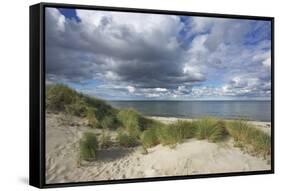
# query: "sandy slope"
191,157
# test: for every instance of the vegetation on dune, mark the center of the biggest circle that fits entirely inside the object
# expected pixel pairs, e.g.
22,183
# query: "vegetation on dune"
211,129
130,121
126,140
134,129
149,138
247,136
88,147
91,117
167,134
59,96
109,122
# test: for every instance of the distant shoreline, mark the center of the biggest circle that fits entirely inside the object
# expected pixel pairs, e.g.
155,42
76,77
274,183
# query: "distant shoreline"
262,125
249,110
198,117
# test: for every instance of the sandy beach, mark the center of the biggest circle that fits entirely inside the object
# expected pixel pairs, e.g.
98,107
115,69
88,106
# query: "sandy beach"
191,157
264,126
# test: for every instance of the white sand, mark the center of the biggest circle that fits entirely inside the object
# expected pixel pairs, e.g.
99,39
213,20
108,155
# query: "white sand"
191,157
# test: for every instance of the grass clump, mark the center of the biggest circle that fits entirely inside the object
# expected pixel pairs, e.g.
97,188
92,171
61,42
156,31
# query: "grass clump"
176,132
91,117
149,138
130,121
126,140
59,96
211,129
167,134
77,108
247,136
88,147
102,108
185,129
109,122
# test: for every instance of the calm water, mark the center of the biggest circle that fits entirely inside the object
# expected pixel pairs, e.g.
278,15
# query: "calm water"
252,110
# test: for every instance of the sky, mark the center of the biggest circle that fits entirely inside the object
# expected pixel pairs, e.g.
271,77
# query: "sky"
136,56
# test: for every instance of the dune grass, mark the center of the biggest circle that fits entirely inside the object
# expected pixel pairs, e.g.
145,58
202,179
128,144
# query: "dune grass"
149,138
247,136
167,134
130,121
88,147
211,129
126,140
59,96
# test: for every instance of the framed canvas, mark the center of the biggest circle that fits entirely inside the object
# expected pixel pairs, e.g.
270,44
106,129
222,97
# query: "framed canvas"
123,95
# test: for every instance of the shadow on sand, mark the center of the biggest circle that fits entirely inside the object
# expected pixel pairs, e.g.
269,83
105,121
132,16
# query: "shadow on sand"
112,154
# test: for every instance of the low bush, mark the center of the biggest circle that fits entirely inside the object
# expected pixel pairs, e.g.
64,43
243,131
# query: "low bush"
168,135
88,147
185,129
126,140
77,108
246,135
91,117
59,96
130,121
175,133
109,122
103,109
210,129
147,123
149,138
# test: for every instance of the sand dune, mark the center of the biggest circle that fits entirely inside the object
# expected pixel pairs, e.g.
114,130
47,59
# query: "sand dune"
191,157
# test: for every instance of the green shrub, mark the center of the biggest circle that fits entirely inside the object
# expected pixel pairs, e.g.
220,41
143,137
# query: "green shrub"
149,138
108,122
211,129
88,147
91,117
176,132
126,140
102,108
130,121
146,123
78,108
246,135
168,135
59,96
185,129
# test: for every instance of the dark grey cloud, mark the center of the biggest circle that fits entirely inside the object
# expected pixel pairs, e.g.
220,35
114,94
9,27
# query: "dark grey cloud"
144,57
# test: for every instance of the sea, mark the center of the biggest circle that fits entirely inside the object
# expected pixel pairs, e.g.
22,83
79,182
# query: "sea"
250,110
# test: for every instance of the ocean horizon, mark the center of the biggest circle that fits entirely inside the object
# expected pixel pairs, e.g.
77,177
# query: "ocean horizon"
256,110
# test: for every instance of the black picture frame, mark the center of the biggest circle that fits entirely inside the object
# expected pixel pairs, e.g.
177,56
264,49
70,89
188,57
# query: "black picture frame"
37,94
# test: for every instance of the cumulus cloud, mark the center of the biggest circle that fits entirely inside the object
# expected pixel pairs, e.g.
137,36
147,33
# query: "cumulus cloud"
135,56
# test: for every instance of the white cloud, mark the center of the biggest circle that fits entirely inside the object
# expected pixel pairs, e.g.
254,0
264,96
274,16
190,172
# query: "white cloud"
131,89
160,89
